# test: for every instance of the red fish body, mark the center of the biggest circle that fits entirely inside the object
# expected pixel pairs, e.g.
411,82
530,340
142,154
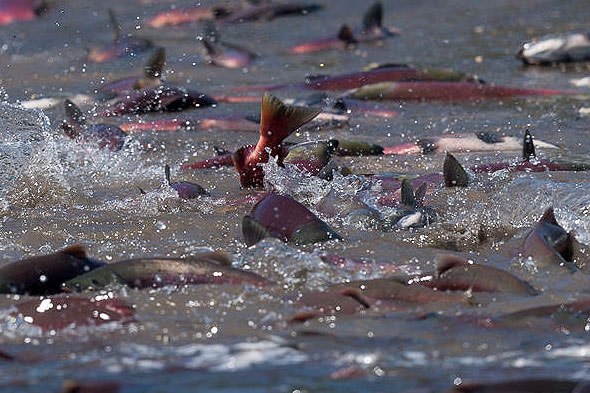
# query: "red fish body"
549,244
20,10
175,17
59,313
445,91
284,218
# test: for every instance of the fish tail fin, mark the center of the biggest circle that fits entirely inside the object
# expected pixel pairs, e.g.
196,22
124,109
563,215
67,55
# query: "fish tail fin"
420,194
407,193
454,173
278,121
346,35
528,147
155,64
373,17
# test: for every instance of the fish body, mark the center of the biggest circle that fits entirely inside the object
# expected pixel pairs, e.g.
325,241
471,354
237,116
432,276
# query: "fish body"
445,91
102,136
45,274
185,189
456,274
175,17
208,268
548,50
268,10
66,312
282,217
160,99
194,123
462,142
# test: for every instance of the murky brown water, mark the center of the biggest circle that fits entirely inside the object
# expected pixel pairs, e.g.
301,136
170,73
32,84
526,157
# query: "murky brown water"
56,193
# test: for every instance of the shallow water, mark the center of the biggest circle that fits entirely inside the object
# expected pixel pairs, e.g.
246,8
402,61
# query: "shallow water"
56,193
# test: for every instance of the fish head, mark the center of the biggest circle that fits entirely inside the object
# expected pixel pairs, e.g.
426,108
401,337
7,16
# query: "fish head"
542,51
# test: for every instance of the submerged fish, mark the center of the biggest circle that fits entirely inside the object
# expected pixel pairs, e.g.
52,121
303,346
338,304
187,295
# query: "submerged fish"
445,91
224,54
174,17
282,217
100,135
122,45
372,29
457,274
277,122
159,99
58,313
571,47
463,142
268,10
529,163
376,74
207,268
522,386
45,275
20,10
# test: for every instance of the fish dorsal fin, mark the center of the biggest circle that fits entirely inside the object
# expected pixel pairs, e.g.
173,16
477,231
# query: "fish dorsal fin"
75,250
167,173
407,193
420,194
448,262
219,257
74,114
549,216
253,231
528,146
116,25
155,65
346,35
373,17
278,121
209,47
454,173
